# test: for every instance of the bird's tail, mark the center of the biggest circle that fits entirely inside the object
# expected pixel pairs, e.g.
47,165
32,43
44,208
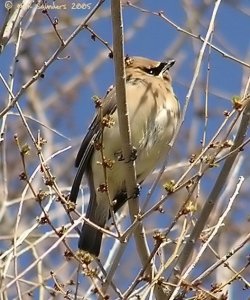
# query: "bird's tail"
91,237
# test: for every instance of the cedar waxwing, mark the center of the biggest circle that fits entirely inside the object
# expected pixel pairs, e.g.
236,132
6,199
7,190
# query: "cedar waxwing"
153,113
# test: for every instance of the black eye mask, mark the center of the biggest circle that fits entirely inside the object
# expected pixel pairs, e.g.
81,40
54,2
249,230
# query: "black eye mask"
163,66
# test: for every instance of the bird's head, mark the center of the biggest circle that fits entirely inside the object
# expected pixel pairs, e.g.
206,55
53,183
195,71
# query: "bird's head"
146,67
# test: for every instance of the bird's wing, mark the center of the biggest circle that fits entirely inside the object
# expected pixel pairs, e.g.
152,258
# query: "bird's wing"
87,147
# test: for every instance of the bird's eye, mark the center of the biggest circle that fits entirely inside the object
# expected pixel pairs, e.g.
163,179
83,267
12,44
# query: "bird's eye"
151,71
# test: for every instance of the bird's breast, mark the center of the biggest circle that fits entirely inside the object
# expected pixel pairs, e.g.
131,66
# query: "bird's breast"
154,143
153,120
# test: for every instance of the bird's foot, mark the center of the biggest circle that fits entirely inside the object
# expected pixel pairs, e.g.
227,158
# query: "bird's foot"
133,155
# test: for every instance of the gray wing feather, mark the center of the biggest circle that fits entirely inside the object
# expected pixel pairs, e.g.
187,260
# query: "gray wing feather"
87,148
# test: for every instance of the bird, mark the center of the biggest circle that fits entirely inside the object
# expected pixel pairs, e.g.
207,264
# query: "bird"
154,113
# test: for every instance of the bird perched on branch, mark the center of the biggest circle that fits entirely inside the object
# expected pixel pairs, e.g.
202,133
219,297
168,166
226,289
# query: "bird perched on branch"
153,115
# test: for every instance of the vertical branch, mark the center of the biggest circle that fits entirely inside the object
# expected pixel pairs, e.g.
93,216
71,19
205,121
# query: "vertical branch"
123,117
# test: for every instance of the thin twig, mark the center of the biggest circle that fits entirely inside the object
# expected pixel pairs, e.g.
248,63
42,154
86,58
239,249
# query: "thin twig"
180,29
213,233
214,195
47,63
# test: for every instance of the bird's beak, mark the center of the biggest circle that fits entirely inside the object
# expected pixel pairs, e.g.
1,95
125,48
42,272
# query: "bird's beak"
167,65
170,63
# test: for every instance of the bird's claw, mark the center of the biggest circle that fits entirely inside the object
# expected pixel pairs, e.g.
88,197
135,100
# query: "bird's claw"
133,155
